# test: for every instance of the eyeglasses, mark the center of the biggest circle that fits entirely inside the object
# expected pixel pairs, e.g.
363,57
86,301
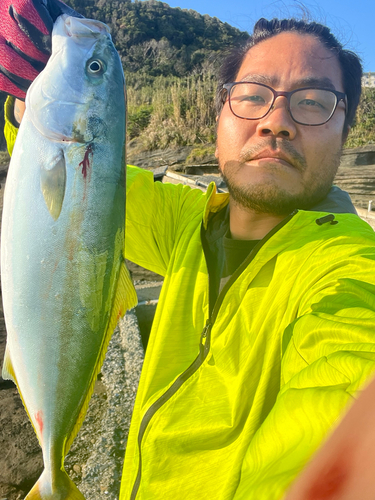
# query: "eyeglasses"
308,106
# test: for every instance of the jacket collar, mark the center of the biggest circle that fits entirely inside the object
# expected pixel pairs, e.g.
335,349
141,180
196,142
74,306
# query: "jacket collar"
337,201
214,202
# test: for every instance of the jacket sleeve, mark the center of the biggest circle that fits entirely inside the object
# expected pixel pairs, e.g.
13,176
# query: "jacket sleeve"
328,355
10,130
156,215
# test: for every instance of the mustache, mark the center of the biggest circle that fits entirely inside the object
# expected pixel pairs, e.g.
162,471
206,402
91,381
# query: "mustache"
281,145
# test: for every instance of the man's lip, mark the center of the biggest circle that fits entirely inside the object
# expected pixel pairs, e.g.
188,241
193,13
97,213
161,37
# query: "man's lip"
269,155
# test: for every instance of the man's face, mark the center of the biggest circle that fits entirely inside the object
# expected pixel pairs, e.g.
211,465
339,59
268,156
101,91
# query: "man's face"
274,165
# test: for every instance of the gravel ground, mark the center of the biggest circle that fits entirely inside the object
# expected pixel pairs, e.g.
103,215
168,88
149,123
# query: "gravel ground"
95,460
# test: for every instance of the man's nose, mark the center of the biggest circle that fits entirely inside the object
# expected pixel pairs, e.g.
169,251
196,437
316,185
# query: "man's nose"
278,121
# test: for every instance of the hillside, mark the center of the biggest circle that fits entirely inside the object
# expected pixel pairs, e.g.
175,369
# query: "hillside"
156,39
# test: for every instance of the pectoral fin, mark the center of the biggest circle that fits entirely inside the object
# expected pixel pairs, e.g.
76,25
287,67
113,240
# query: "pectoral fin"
52,184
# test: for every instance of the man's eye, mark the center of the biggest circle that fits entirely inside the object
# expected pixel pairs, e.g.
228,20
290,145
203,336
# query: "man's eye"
310,103
257,99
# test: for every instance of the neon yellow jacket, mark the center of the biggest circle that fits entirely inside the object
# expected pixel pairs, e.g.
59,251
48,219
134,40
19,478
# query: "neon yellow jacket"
235,413
232,408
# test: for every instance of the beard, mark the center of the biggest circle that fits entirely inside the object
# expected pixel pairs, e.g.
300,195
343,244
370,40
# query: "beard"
268,197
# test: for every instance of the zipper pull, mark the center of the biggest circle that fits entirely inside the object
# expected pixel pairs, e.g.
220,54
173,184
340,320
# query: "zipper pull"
328,218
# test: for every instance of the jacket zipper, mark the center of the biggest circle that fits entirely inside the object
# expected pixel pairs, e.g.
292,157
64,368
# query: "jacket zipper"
204,344
181,379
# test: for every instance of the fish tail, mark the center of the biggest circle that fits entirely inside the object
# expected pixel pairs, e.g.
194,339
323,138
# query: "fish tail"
61,488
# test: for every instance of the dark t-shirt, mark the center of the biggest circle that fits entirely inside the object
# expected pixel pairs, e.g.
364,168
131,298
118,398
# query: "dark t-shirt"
224,254
235,252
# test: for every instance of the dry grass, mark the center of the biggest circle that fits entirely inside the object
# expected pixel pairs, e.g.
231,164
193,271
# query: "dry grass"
363,132
180,111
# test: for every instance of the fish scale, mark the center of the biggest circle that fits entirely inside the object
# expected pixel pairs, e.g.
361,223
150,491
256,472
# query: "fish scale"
64,279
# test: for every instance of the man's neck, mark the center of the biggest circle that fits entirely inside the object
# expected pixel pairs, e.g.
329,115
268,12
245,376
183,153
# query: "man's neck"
248,225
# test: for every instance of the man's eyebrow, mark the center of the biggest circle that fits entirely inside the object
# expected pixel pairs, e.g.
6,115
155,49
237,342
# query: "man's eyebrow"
310,81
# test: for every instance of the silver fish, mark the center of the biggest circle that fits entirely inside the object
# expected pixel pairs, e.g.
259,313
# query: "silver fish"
64,279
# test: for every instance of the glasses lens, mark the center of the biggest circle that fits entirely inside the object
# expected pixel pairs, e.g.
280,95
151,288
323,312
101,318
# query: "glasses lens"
312,106
249,100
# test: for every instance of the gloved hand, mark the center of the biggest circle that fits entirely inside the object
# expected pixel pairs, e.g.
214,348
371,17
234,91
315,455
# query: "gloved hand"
25,40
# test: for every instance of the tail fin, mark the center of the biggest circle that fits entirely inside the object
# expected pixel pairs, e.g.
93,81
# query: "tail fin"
62,488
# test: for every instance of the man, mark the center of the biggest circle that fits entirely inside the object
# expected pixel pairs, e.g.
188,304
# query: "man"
264,329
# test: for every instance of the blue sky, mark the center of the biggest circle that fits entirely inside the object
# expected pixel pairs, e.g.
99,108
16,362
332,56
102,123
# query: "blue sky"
352,21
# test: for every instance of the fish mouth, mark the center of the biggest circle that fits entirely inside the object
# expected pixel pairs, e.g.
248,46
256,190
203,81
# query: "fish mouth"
79,27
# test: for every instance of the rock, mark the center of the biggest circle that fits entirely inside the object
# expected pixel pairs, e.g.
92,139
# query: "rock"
149,160
364,155
358,181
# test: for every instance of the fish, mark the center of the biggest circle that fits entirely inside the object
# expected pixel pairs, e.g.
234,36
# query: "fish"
64,280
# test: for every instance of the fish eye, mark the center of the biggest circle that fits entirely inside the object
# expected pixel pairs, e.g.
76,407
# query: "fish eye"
95,67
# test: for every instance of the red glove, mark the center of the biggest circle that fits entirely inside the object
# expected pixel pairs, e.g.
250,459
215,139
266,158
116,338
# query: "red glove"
25,40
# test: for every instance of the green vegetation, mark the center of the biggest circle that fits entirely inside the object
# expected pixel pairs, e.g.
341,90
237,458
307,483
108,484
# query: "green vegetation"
201,154
172,111
363,132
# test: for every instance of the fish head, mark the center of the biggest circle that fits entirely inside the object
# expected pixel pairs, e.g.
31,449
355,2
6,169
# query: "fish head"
81,90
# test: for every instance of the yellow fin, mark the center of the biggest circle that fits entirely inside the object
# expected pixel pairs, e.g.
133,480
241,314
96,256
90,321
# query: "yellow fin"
63,488
8,371
125,298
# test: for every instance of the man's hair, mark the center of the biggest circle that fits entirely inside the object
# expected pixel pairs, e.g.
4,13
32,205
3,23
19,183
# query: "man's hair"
349,62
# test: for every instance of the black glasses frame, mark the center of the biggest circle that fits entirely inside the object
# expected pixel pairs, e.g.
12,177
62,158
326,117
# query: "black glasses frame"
227,87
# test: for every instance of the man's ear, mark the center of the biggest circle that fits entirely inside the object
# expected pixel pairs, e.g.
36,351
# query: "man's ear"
345,134
216,149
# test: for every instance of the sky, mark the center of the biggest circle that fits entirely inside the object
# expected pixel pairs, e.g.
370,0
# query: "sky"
352,21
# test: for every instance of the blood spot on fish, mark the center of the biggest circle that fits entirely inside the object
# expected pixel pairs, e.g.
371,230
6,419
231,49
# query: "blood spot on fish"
87,160
331,481
39,419
120,314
